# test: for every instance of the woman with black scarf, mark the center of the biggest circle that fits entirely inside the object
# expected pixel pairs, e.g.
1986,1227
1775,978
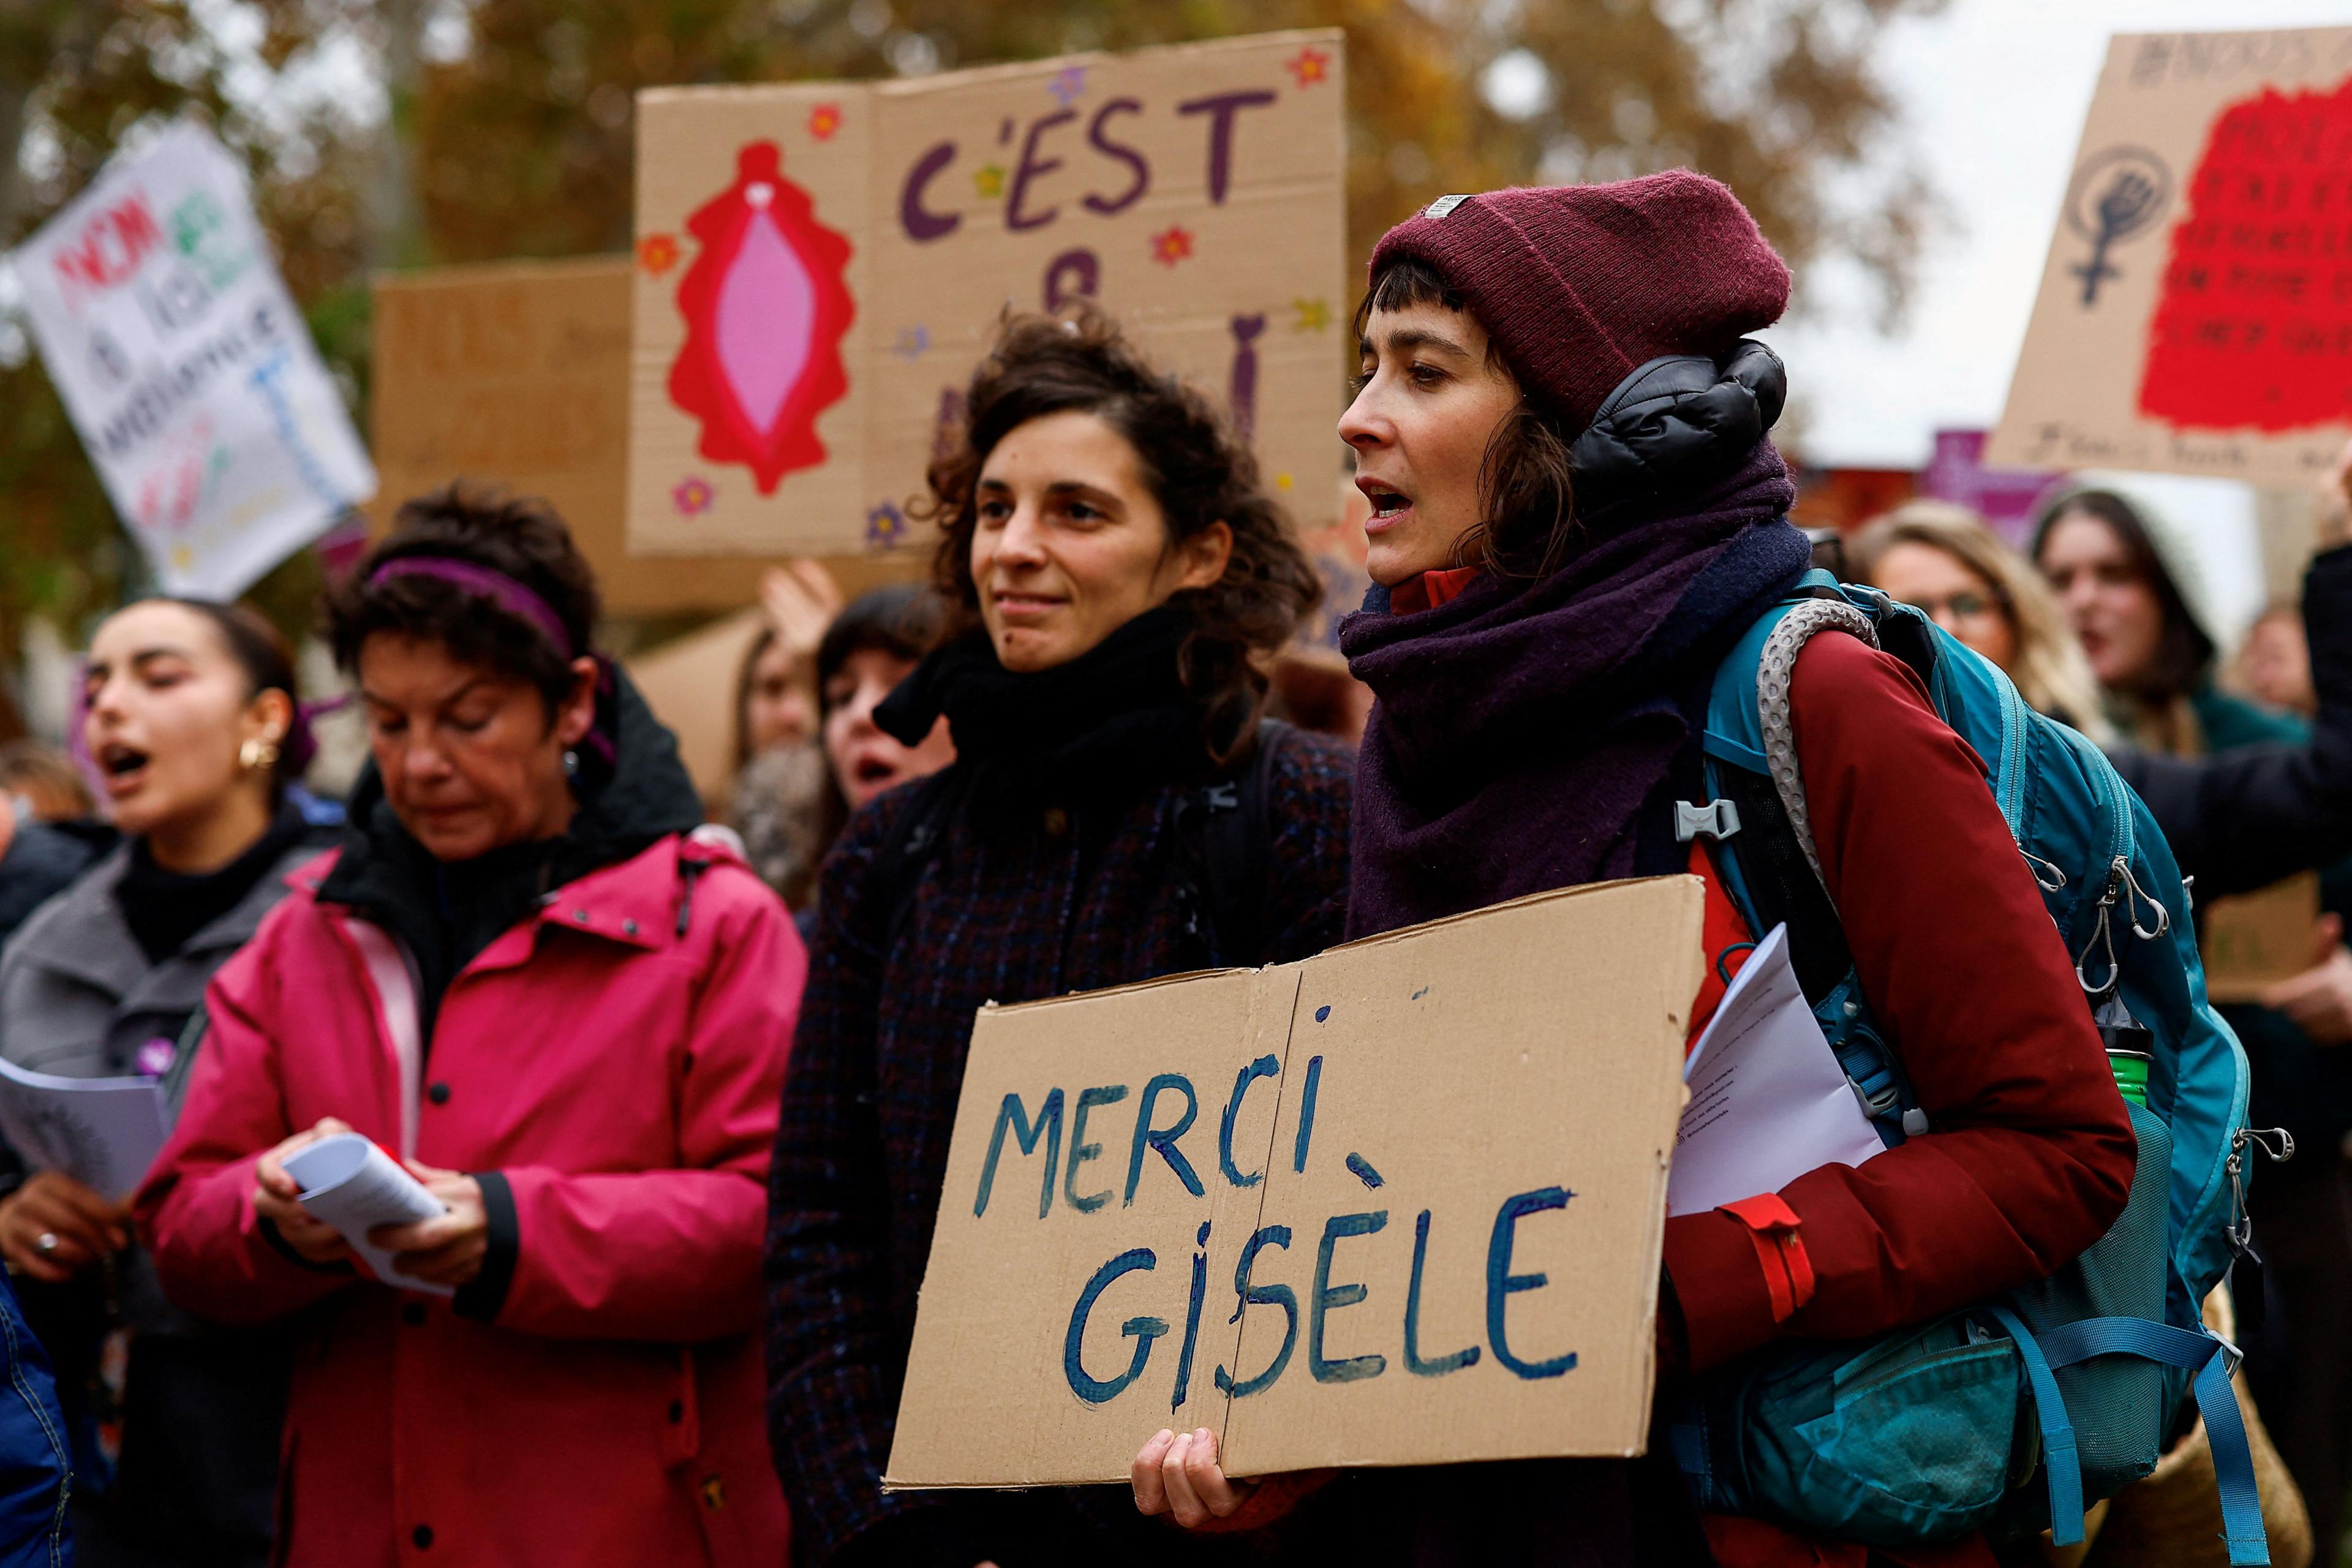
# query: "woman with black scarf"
1576,515
1116,573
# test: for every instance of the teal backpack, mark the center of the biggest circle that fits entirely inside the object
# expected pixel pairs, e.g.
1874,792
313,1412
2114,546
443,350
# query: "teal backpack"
1939,1430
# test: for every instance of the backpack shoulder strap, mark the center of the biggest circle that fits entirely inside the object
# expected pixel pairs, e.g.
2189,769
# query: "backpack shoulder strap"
1770,863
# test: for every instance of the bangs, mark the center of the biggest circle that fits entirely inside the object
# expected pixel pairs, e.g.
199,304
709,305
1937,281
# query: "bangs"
1404,283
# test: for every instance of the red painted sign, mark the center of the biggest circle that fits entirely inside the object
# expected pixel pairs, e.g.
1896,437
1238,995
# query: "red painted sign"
765,306
2253,325
110,246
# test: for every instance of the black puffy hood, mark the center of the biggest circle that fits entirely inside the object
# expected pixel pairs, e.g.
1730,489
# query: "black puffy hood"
1678,422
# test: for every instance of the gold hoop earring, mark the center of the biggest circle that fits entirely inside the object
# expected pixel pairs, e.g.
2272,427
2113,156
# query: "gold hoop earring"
257,754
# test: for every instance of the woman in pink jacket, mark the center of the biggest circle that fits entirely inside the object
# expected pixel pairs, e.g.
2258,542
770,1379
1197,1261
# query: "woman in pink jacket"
524,974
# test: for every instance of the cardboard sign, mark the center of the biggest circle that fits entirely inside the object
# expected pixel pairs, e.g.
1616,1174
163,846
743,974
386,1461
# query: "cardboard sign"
518,373
690,683
2196,310
222,441
2254,940
820,267
1399,1203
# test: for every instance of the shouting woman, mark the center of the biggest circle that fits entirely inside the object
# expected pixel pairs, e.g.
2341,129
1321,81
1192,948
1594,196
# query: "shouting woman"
1576,515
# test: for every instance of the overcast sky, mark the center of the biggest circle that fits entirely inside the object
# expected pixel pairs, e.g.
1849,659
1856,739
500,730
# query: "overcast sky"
1995,93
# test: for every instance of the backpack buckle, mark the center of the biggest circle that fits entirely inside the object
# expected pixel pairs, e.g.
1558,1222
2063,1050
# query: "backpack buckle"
1719,819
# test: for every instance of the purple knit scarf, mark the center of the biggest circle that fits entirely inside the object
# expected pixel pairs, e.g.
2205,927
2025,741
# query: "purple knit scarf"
1519,727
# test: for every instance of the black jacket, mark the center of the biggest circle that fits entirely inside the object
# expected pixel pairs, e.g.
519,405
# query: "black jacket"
2244,819
40,860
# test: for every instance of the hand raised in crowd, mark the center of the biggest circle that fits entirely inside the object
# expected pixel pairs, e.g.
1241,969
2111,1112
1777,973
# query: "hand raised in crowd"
801,599
276,1198
2319,1000
53,1227
448,1248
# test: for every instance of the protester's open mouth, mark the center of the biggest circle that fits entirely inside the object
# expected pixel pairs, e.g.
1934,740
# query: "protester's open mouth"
873,771
1388,504
123,766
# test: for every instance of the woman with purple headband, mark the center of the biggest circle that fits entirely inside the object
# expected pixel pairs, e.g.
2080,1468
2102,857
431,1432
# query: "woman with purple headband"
190,719
532,976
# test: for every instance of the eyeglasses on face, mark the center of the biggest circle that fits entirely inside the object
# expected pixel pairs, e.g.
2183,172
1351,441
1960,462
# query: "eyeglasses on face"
1964,606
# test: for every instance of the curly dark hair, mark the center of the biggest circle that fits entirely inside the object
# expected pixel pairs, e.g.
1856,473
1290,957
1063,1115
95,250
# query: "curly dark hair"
1526,491
518,537
1195,467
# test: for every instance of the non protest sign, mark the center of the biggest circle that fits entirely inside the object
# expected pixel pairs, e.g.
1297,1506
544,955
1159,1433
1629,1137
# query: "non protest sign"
820,266
189,374
1399,1203
2196,310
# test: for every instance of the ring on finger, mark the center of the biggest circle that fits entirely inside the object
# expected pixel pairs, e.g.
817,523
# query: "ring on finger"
47,1241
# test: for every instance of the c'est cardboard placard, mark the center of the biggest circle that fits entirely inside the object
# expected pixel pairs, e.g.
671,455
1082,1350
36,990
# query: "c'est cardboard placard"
2196,310
1399,1203
518,373
820,267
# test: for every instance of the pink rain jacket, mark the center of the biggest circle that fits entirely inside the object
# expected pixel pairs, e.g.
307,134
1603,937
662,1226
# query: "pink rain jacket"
623,1080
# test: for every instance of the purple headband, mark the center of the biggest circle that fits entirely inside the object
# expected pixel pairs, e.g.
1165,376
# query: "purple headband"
497,586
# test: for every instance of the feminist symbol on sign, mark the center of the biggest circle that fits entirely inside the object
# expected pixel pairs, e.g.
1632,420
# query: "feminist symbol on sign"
2116,194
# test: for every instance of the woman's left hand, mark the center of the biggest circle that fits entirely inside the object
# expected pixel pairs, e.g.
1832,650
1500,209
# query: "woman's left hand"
448,1248
1177,1474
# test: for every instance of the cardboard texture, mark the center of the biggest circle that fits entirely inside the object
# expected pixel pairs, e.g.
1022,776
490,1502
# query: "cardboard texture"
690,683
820,266
2196,310
2255,940
518,373
1436,1162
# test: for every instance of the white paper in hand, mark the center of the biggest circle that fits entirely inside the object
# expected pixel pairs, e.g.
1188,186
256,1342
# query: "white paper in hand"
102,1131
355,1186
1768,1100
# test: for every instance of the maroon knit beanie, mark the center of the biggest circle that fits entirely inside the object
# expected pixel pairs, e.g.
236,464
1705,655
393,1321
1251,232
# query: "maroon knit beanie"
1581,284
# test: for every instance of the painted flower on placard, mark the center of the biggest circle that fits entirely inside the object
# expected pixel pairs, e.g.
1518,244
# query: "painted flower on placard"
823,120
1171,245
912,342
1314,315
989,180
885,526
1310,66
658,253
766,303
692,497
1069,85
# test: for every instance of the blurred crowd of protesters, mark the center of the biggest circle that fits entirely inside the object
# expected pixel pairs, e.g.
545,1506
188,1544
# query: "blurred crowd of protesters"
686,1090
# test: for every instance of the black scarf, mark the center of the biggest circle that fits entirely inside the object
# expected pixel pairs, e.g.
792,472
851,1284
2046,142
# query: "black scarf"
1116,716
165,909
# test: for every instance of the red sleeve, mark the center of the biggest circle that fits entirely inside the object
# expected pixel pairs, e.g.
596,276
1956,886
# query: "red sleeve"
2030,1155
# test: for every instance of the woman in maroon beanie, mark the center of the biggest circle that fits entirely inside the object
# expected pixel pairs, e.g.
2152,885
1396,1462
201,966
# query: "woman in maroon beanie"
1576,514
